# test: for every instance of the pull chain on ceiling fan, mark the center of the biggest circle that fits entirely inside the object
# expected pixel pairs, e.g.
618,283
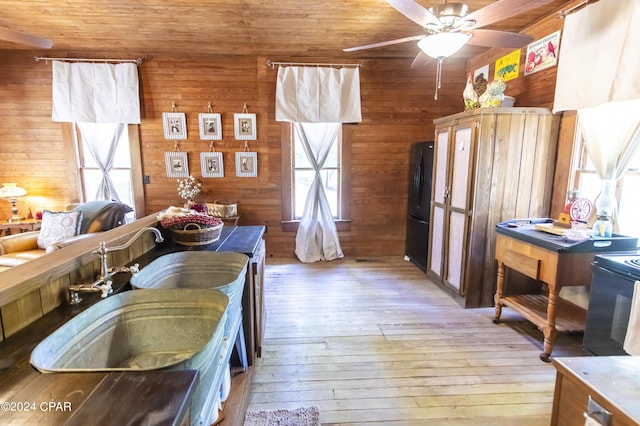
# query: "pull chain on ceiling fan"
450,26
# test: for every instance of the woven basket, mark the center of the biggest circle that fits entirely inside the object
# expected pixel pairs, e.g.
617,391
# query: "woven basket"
193,234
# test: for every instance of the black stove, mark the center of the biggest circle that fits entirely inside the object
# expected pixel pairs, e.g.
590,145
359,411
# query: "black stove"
623,263
610,302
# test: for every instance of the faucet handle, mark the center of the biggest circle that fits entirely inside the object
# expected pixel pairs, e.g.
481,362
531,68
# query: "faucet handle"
134,269
106,289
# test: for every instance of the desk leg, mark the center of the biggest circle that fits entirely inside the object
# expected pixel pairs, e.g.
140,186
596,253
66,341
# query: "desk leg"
550,331
499,292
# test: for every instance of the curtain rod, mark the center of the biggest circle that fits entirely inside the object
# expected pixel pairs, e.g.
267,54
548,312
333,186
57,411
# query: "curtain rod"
137,61
272,64
564,13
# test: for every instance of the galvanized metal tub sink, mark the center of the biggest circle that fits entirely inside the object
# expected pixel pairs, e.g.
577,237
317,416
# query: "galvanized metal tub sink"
144,330
224,271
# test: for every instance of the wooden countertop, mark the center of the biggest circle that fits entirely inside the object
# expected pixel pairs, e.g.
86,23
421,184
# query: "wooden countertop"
615,378
156,397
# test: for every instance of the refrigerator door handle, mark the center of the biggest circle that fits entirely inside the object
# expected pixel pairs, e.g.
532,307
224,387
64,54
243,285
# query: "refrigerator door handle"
418,218
418,179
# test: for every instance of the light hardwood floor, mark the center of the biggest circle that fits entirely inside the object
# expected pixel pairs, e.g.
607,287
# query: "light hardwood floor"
373,341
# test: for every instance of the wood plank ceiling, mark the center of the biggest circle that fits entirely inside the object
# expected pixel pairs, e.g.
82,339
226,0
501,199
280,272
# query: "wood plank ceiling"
294,28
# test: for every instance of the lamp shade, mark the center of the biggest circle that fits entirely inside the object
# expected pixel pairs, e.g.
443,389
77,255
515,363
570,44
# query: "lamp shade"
442,45
12,190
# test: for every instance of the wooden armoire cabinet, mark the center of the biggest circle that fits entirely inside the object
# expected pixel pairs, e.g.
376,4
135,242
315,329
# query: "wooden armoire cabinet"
491,164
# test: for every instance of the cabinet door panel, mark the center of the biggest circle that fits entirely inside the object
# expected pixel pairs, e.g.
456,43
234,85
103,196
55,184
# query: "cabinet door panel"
440,171
437,233
456,249
460,173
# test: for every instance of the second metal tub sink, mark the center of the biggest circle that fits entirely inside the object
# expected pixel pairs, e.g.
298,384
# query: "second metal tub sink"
224,271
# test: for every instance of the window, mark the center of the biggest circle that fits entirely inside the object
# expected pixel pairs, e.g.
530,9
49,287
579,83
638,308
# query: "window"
585,179
104,143
298,175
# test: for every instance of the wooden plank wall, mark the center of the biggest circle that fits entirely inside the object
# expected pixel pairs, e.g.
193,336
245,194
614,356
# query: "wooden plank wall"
397,106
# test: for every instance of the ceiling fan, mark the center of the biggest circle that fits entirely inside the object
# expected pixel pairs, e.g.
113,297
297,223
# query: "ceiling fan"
24,38
449,26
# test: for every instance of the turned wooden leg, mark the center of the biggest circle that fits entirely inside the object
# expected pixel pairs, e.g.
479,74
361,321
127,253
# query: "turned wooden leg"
550,331
499,291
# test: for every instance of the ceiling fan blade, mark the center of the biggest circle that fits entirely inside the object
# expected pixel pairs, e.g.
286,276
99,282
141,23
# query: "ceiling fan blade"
416,13
493,38
421,60
384,43
26,39
501,10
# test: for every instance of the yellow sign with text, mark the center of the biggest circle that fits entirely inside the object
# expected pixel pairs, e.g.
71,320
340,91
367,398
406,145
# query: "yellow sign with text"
507,66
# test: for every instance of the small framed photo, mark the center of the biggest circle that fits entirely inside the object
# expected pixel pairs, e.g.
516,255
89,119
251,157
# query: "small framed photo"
176,163
246,164
210,126
211,164
245,127
175,125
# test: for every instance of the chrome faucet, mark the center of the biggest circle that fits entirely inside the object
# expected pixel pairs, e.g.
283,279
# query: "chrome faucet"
104,282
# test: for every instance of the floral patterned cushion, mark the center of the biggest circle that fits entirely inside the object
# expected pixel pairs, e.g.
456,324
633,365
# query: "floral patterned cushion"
57,226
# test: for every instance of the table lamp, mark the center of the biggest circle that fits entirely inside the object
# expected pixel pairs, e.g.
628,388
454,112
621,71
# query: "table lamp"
11,191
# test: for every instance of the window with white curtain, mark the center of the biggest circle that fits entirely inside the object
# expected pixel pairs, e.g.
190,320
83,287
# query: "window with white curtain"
303,175
585,179
91,174
298,175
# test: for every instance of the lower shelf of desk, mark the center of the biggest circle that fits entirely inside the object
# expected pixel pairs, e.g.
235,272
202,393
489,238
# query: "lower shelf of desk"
533,307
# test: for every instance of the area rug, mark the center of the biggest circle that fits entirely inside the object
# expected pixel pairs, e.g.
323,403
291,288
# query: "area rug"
303,416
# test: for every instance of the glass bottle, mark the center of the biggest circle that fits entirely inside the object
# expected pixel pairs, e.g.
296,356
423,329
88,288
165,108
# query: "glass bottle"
603,227
605,207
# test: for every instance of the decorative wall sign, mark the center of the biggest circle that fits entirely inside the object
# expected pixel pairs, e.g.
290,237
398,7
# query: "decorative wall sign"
176,164
175,125
210,126
246,164
481,79
507,66
542,54
211,164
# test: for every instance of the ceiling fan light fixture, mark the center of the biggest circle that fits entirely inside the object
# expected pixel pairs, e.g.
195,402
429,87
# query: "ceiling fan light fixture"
443,45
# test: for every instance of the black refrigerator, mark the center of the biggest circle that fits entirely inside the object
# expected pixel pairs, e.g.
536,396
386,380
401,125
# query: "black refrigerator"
419,208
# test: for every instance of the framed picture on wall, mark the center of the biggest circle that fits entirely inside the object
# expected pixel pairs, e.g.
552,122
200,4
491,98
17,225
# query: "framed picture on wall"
246,164
176,164
211,164
245,126
210,126
175,125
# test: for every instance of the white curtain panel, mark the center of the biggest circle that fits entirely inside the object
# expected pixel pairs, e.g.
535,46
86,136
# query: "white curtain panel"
599,59
611,132
95,93
317,237
101,140
318,95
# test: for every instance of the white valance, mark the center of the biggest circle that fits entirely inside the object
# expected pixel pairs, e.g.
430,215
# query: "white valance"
318,95
599,59
95,93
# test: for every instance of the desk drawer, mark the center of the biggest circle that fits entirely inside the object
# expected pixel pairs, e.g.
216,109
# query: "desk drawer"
524,264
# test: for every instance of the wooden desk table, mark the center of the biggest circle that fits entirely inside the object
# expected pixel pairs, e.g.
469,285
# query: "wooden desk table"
555,262
21,226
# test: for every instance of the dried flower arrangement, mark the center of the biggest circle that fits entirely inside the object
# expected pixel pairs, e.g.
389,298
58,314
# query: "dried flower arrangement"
188,187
